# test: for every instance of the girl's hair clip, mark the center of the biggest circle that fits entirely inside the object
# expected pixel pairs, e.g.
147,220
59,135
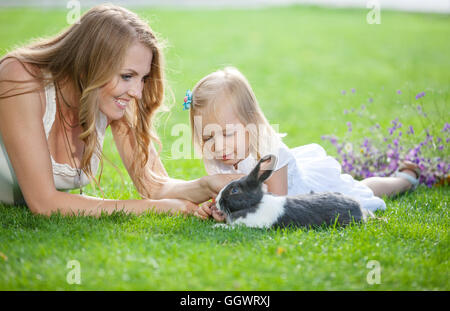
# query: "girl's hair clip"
187,100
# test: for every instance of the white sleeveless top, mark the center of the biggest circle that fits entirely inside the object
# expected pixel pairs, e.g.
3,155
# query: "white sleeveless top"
64,176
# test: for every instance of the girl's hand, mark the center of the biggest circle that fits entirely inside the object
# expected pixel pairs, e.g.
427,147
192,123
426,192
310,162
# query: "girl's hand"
205,209
209,209
216,182
217,215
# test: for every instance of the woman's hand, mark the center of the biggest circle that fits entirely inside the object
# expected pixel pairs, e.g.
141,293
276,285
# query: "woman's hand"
177,206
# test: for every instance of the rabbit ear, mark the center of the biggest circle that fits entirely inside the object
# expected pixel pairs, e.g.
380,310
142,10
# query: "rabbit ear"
263,169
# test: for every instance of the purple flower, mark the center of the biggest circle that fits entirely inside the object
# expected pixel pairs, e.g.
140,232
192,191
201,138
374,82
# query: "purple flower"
412,153
430,181
381,159
343,92
394,122
390,153
345,111
419,95
353,90
399,92
349,125
370,100
393,165
366,142
446,127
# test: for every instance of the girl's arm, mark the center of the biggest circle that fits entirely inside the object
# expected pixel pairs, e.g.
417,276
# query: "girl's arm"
197,191
24,138
277,183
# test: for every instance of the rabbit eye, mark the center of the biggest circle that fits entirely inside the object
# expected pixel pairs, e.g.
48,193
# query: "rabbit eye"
234,190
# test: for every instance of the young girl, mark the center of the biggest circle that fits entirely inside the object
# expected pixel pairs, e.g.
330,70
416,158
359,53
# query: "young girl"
233,134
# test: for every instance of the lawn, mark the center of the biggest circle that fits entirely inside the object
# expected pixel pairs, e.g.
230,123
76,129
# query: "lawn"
298,60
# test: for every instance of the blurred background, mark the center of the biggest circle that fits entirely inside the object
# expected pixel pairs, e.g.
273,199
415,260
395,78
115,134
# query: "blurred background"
441,6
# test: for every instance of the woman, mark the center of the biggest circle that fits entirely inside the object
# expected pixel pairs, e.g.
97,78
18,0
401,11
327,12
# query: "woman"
57,97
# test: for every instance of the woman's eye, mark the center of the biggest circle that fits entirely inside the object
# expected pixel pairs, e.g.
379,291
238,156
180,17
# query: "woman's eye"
126,77
145,79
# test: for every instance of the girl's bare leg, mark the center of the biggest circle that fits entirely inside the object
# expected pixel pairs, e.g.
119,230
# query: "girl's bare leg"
389,185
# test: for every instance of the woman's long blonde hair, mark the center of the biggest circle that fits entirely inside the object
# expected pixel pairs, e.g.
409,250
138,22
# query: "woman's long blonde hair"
89,54
231,84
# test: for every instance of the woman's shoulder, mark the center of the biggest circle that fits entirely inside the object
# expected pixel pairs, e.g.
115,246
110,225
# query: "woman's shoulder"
19,78
13,69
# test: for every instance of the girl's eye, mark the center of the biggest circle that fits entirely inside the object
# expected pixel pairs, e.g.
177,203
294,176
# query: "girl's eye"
126,77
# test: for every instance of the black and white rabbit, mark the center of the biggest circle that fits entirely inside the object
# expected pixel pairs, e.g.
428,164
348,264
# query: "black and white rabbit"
245,201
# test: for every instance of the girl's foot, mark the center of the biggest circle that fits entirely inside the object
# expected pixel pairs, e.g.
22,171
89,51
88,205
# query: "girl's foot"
409,171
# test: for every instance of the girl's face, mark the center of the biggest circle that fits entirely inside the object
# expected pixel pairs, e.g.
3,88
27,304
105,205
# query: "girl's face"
224,138
128,83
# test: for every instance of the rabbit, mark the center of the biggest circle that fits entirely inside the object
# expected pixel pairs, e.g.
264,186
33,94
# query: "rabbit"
245,201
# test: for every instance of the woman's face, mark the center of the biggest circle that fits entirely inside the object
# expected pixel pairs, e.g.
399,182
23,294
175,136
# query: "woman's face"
127,83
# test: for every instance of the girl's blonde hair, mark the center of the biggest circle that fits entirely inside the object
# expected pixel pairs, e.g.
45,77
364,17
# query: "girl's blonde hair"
229,83
89,54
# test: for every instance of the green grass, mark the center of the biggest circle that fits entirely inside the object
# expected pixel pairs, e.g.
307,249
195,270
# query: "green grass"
298,59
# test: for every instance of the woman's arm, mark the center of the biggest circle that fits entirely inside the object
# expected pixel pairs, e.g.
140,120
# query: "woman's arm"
24,137
197,191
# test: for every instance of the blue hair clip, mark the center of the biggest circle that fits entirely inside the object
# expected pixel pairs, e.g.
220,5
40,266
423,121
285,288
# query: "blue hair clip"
187,100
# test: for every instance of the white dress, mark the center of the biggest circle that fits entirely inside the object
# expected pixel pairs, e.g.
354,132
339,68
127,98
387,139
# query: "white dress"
309,169
64,176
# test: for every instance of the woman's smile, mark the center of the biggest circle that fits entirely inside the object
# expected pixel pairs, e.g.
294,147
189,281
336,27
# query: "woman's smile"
121,103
